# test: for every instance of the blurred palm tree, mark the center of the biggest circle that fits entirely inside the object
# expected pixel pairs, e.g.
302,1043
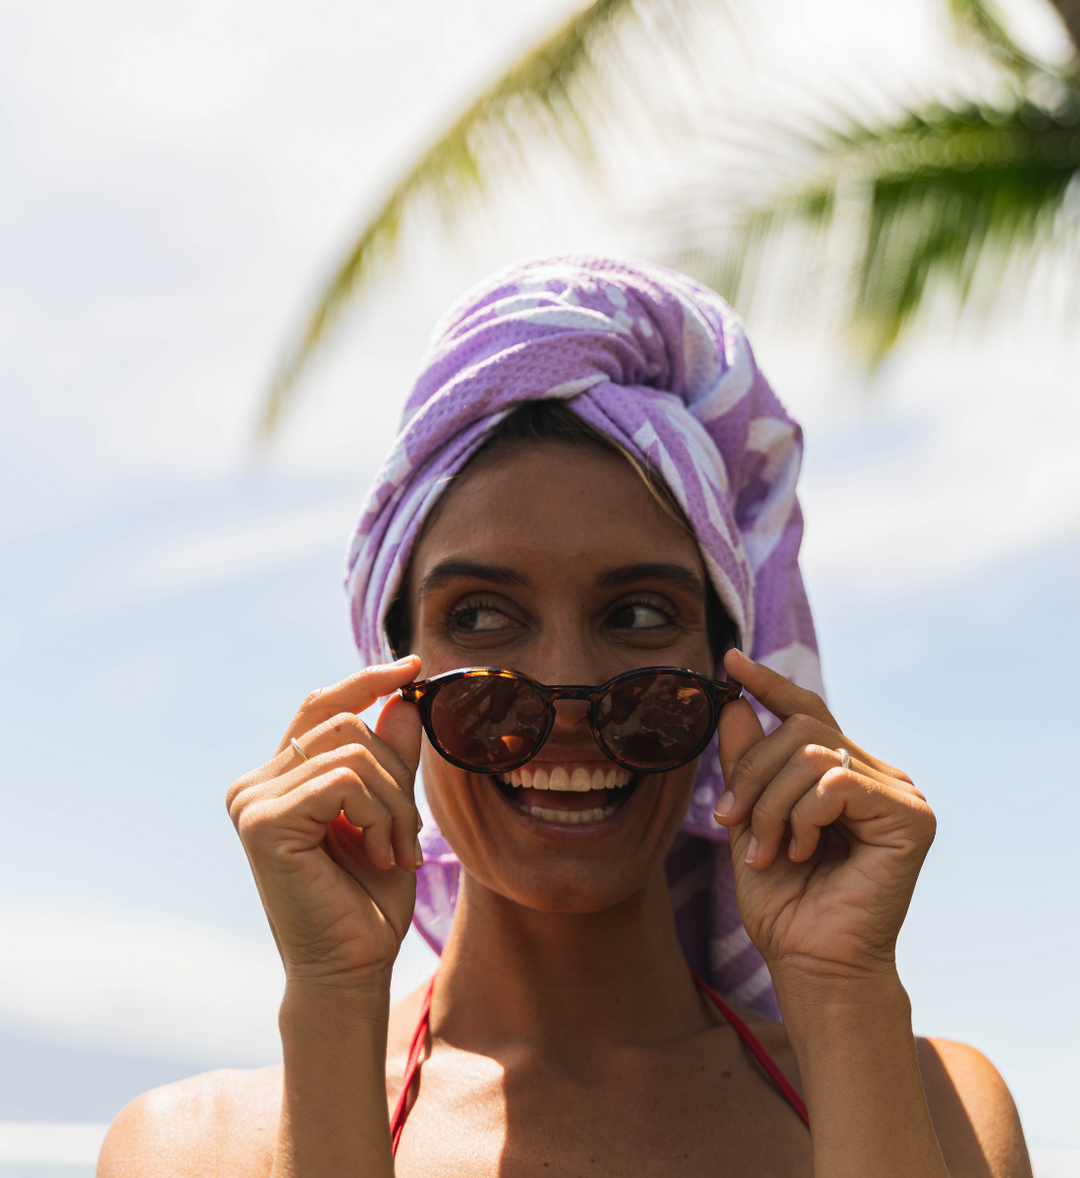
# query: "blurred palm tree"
964,195
951,194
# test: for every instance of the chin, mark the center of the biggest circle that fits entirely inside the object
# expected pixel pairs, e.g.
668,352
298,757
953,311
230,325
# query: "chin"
570,837
567,888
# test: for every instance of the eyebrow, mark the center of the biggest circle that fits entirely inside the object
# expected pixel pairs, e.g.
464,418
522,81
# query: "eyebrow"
675,574
451,570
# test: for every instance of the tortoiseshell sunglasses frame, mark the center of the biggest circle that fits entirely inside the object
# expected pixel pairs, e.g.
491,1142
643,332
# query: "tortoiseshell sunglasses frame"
422,693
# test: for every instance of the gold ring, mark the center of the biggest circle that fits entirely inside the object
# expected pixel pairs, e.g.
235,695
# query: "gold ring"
297,749
845,757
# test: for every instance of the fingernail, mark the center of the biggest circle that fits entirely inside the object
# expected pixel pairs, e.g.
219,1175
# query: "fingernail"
419,823
419,853
791,849
751,851
405,658
725,805
393,861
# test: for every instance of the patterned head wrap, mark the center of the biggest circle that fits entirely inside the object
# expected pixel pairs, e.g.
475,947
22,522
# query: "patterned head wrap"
661,365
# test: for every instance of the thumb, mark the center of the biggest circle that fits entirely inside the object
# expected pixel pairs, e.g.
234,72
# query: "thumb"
739,730
399,725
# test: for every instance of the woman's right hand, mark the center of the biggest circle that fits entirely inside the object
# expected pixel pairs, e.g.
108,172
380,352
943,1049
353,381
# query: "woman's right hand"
333,841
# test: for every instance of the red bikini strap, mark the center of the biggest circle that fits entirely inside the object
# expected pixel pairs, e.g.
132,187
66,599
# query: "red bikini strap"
412,1068
416,1049
759,1052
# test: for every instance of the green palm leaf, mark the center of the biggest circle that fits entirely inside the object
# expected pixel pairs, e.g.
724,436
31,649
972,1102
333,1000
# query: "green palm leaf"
948,195
1007,197
549,86
983,22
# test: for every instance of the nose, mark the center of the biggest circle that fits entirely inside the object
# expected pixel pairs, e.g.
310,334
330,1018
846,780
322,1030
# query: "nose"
571,715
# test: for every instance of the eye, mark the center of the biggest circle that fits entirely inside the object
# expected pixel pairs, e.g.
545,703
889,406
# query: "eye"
637,615
481,618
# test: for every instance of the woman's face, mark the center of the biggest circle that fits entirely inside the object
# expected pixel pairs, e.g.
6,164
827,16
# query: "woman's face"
555,560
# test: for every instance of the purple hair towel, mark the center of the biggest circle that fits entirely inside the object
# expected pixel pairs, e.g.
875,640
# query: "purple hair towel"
661,365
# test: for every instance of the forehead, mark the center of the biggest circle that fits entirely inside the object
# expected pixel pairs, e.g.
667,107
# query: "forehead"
549,506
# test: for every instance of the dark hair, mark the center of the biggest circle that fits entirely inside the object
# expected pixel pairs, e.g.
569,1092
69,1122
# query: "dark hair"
551,421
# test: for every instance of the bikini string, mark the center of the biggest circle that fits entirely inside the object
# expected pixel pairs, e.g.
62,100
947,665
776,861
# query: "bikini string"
759,1052
412,1068
416,1050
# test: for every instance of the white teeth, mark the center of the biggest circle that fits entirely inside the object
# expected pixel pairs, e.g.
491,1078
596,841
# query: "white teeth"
597,814
560,778
581,780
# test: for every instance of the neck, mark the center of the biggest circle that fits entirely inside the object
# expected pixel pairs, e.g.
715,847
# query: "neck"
565,983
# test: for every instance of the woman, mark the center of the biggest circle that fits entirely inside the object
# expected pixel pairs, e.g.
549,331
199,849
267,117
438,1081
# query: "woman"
592,480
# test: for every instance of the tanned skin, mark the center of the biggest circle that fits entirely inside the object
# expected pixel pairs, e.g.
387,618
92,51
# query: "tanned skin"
567,1036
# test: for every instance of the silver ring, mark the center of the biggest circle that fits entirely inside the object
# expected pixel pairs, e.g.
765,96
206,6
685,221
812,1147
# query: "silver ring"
297,749
845,758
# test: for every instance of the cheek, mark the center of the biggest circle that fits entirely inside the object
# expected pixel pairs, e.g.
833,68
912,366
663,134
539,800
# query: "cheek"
443,783
506,863
458,805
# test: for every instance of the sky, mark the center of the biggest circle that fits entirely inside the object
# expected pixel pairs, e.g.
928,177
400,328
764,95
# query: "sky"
175,183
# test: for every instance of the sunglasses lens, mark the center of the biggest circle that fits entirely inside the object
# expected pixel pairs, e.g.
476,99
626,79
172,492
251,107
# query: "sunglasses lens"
488,721
654,721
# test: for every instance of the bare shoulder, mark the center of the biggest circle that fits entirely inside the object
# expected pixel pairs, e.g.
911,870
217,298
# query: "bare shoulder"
219,1123
222,1124
973,1112
972,1109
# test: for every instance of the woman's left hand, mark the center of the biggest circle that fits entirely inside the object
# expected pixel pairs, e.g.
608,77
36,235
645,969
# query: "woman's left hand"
825,858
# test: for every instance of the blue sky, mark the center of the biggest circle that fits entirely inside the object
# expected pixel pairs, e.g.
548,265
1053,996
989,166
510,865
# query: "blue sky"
175,182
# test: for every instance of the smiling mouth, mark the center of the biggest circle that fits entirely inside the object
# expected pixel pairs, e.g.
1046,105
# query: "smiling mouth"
572,792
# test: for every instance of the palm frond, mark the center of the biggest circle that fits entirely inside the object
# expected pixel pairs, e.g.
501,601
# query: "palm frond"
981,20
546,86
946,195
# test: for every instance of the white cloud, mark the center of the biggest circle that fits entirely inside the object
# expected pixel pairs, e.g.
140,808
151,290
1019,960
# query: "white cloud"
143,983
955,462
215,555
52,1144
152,985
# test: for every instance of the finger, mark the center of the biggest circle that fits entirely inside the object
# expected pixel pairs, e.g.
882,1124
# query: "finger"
399,727
782,697
747,779
297,821
871,809
760,764
405,819
367,766
354,694
739,731
366,812
772,810
345,729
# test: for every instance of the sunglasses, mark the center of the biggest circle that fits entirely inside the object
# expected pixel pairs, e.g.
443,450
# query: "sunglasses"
490,720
